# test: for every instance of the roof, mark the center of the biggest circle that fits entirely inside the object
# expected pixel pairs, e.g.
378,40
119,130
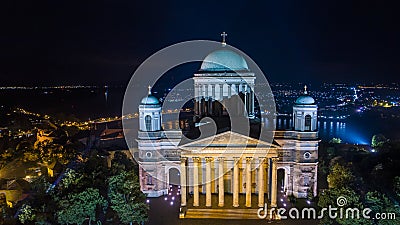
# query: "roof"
150,100
305,100
224,60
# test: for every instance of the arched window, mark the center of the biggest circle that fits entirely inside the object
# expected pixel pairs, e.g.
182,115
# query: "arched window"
307,123
147,121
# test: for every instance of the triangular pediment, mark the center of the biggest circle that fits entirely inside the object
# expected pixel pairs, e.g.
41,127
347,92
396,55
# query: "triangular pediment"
229,139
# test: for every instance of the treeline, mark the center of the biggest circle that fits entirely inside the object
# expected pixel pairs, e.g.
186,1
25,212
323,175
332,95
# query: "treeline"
90,193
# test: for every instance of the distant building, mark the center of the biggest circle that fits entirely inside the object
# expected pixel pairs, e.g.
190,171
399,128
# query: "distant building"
14,190
4,131
44,135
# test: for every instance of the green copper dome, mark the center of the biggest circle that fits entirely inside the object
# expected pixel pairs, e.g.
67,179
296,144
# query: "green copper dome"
305,100
223,60
150,100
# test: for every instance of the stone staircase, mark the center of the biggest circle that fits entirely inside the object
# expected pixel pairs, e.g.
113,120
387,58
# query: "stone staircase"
221,214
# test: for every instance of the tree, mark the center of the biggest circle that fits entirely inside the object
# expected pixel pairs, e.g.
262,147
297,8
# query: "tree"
78,207
380,203
378,140
335,141
331,151
26,213
396,186
42,203
350,199
340,176
126,198
121,162
376,201
95,172
70,177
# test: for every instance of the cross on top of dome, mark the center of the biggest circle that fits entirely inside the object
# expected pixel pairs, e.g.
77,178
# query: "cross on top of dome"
223,35
305,89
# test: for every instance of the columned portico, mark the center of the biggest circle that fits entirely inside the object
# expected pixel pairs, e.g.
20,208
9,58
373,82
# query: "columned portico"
208,162
224,172
206,90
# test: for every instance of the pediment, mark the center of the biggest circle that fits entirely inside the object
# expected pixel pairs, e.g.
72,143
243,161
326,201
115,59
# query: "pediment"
229,139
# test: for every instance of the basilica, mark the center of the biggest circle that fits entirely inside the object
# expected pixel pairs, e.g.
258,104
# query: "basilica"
228,165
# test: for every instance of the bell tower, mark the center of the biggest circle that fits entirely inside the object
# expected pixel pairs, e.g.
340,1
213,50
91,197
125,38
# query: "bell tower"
150,113
305,113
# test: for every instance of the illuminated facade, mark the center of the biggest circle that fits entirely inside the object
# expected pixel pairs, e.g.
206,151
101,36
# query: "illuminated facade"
214,167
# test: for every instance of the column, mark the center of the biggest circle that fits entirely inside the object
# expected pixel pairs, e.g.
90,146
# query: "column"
196,93
236,182
268,177
221,182
213,91
248,181
208,181
206,91
252,100
206,99
196,181
210,105
213,97
229,90
246,111
261,183
237,88
200,96
274,189
183,182
221,92
238,108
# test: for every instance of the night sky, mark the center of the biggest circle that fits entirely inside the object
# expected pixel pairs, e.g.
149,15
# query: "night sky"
102,42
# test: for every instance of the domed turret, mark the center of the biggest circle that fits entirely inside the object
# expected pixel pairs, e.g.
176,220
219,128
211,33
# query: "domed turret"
305,99
149,99
150,113
305,113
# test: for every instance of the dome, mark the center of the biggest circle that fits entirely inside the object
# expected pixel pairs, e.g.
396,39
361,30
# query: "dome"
150,100
223,60
305,100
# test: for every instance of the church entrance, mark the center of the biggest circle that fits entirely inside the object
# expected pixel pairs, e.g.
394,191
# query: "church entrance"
174,177
281,180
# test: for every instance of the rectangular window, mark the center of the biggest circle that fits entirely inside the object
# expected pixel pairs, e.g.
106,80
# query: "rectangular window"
306,180
149,180
307,125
